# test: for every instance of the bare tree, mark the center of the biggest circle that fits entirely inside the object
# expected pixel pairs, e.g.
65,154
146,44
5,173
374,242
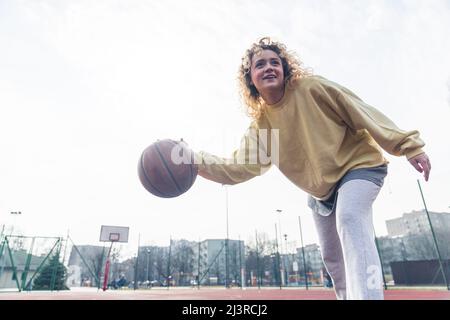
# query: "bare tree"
258,252
162,266
182,260
114,258
234,261
419,247
96,261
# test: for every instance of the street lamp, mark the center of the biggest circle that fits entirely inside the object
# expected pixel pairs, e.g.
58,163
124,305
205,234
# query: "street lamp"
286,259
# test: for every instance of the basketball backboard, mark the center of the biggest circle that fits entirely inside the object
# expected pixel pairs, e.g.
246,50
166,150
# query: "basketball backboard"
114,234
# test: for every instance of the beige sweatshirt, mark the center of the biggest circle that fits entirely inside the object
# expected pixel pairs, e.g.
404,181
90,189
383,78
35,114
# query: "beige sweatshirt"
323,131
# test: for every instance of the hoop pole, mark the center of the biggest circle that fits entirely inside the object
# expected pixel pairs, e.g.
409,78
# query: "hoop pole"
105,280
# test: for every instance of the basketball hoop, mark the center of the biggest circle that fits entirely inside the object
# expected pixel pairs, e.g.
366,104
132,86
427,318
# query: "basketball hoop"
114,237
112,234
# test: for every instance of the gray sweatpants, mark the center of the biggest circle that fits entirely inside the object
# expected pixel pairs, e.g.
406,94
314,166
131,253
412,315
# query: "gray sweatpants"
346,239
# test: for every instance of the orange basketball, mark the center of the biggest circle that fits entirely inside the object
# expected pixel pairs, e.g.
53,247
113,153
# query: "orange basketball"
166,168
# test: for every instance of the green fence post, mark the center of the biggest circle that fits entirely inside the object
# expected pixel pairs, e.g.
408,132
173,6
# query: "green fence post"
27,265
434,239
55,267
12,264
40,266
84,261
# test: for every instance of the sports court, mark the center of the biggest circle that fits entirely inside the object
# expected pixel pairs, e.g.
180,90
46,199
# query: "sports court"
126,117
217,294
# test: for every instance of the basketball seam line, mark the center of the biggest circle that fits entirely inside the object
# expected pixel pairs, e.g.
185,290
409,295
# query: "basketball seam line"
167,168
147,178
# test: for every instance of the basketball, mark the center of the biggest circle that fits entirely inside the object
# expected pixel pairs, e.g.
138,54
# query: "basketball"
166,168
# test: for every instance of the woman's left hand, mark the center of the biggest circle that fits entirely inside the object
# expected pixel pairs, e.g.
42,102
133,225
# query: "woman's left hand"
422,164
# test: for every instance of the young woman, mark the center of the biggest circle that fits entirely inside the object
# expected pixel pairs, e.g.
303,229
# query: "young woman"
327,142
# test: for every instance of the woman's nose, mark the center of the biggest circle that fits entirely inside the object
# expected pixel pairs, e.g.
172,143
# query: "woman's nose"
268,68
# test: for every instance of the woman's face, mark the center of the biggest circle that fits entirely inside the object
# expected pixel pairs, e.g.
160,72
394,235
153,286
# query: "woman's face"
267,72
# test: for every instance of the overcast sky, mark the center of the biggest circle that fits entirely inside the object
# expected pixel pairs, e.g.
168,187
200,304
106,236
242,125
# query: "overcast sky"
85,86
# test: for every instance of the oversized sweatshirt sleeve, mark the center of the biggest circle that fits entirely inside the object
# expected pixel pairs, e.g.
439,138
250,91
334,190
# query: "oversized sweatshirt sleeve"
246,162
359,115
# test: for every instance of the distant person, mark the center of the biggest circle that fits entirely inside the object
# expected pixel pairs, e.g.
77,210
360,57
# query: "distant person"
113,284
121,282
329,146
328,282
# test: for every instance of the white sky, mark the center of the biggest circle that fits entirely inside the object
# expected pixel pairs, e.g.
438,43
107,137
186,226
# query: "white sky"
85,86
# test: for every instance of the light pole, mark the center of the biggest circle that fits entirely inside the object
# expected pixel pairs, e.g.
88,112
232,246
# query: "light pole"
241,270
226,241
303,252
198,265
134,272
169,276
258,276
278,254
286,260
135,284
148,260
154,271
282,266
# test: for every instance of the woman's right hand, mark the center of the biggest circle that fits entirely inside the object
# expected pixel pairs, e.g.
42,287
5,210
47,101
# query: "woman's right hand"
422,164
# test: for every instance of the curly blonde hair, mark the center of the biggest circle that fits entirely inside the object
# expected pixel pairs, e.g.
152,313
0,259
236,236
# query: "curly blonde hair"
292,68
